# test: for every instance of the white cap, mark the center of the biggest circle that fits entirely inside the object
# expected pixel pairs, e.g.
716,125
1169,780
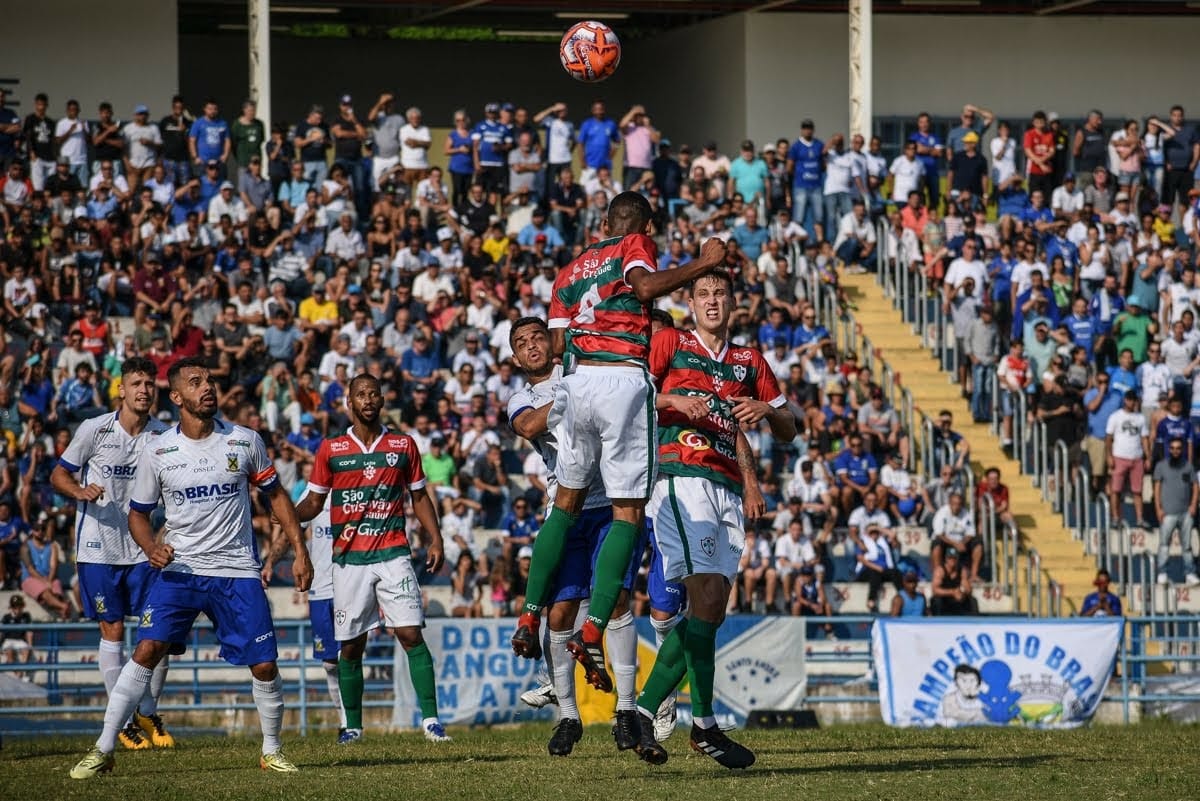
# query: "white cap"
445,232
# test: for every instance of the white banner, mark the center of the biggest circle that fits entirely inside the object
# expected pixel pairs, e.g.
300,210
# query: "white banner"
759,665
993,671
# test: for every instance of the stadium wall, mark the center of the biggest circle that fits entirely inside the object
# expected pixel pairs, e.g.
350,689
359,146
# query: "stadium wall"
122,51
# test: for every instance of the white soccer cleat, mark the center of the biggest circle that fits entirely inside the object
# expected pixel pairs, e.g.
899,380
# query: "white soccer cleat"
436,733
539,697
665,719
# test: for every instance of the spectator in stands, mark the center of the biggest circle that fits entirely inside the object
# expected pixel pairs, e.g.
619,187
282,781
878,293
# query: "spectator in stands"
16,644
1101,603
520,527
993,486
1101,401
793,551
950,447
40,560
1127,449
909,601
809,599
810,499
13,530
856,237
857,474
1015,374
951,588
954,530
1176,494
869,515
876,565
755,569
906,500
982,347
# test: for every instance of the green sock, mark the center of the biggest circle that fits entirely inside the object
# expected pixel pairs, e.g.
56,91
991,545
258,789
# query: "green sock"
700,648
420,668
612,563
350,683
547,554
670,666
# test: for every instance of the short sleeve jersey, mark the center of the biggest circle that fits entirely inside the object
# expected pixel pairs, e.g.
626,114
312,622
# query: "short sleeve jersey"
535,396
603,318
204,485
102,452
683,365
367,484
320,550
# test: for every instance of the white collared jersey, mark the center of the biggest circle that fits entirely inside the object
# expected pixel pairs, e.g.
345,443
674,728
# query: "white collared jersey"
102,452
320,550
205,488
535,396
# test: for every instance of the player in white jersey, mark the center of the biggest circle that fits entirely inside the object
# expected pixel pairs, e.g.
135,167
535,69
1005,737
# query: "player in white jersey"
528,411
202,470
320,603
97,470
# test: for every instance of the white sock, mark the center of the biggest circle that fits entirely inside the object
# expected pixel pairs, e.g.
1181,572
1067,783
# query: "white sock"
563,674
110,659
622,656
581,616
268,697
706,722
335,691
546,654
122,700
427,722
149,703
661,629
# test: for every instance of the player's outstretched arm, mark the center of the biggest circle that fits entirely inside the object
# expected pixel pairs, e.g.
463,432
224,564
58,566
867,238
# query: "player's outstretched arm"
159,553
426,514
648,286
285,512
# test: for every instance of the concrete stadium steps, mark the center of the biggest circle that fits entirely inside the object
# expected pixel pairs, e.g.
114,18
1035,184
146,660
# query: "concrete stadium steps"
915,367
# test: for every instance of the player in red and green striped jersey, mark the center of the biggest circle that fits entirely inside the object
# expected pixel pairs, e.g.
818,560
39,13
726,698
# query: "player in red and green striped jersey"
603,414
709,389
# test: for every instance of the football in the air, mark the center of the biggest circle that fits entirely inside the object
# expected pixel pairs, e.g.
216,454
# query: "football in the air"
590,51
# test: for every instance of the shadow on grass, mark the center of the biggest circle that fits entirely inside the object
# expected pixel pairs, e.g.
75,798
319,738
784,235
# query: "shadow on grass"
763,767
852,749
401,759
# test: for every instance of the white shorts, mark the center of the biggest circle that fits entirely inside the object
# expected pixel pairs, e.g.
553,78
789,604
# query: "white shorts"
603,419
380,165
698,526
362,594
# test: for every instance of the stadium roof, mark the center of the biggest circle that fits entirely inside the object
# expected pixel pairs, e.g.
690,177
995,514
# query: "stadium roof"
466,19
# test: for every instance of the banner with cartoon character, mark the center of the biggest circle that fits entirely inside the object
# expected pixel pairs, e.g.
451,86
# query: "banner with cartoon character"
760,665
993,671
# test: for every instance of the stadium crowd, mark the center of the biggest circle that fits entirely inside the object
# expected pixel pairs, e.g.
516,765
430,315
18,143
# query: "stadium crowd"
293,258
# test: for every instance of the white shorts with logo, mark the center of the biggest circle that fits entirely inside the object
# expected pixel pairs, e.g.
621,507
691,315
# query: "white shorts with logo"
698,526
364,593
603,419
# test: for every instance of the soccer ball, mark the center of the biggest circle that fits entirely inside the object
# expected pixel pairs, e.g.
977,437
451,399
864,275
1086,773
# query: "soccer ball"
590,51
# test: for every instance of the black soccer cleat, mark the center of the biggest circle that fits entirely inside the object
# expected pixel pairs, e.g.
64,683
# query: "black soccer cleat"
627,729
566,734
526,641
715,744
648,748
590,654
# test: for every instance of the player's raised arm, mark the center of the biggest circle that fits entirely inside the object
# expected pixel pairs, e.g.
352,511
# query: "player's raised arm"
649,285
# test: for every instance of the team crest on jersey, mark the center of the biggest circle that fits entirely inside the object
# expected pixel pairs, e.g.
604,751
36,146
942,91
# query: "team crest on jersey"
340,617
369,471
393,459
147,616
739,372
231,462
98,602
319,643
708,545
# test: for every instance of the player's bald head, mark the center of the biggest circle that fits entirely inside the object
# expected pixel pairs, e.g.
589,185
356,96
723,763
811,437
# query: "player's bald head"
364,378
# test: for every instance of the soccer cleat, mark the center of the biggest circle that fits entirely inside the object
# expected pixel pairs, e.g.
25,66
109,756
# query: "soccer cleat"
566,734
92,765
540,696
664,719
589,652
277,762
132,738
153,727
648,748
714,743
347,736
627,729
436,733
525,640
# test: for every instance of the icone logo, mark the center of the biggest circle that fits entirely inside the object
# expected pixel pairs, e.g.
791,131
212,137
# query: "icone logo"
204,491
694,440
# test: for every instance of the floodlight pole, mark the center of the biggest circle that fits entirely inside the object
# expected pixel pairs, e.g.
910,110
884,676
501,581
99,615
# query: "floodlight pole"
860,68
260,58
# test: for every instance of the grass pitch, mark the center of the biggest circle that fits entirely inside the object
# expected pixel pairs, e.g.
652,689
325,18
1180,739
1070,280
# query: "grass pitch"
1150,761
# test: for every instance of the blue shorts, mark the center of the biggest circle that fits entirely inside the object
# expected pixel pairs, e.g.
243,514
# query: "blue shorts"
237,608
320,615
665,596
575,571
114,592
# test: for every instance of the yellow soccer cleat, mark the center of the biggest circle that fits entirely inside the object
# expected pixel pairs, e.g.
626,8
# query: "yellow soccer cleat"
153,727
277,762
132,738
92,765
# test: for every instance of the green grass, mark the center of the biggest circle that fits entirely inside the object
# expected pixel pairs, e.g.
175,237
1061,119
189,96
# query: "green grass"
1151,761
